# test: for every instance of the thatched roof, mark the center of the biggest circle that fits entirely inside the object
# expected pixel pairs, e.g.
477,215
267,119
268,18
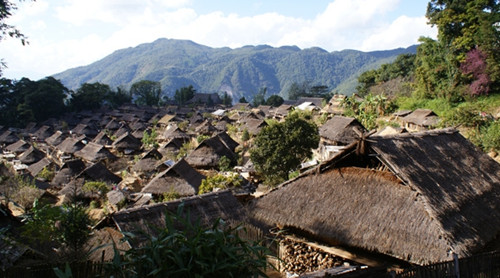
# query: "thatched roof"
115,197
84,129
127,141
241,106
18,147
56,138
124,129
149,162
205,208
459,184
227,140
103,139
8,137
180,178
317,101
93,152
37,167
172,146
174,133
68,171
208,153
421,117
31,156
166,119
205,128
99,172
419,210
341,130
254,126
358,208
103,241
112,125
70,145
43,132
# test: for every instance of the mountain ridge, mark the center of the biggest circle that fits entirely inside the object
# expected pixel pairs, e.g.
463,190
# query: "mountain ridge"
239,71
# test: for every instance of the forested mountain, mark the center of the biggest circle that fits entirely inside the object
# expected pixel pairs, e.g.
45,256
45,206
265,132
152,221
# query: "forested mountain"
240,72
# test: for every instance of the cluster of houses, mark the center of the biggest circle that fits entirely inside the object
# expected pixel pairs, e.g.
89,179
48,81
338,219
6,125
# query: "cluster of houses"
399,197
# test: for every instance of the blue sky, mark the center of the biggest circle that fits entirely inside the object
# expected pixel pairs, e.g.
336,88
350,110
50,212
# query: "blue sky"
68,33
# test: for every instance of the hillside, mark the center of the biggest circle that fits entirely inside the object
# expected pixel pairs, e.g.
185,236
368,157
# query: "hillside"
240,72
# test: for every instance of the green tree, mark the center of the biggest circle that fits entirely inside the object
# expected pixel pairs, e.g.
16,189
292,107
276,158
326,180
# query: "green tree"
260,97
75,230
192,251
118,97
89,96
146,92
281,147
184,94
227,99
274,101
220,181
149,138
243,100
6,30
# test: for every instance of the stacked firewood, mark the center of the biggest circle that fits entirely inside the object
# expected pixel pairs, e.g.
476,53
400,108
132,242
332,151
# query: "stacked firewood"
299,258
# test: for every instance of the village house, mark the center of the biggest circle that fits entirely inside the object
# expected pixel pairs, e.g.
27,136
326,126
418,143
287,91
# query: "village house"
395,199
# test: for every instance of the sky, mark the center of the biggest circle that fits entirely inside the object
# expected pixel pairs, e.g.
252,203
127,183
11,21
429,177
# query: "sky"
64,34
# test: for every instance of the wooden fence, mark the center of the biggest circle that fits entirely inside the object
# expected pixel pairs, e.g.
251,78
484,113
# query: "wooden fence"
485,265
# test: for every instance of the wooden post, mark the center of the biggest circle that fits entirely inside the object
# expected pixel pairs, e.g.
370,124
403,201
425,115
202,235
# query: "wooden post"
457,267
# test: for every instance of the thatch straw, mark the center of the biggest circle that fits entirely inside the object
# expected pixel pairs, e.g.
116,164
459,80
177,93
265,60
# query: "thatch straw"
209,153
341,130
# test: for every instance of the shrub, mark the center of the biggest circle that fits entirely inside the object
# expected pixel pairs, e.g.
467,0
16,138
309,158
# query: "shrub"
219,181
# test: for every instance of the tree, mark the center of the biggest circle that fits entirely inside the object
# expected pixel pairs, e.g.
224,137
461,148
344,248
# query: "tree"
274,101
89,96
146,92
7,30
184,94
116,98
260,97
242,100
280,147
227,99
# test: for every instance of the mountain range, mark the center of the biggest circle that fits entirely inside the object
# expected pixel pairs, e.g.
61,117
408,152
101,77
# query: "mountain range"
239,72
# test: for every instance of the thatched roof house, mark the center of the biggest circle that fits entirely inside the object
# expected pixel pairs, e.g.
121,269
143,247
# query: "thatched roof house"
208,154
180,178
68,171
31,156
127,143
93,152
253,126
18,147
420,207
205,128
174,132
340,130
70,145
171,147
43,133
420,119
37,167
85,129
112,125
8,137
56,138
149,162
227,140
99,172
206,208
103,139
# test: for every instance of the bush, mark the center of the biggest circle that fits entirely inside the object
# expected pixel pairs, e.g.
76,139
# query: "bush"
192,251
46,174
219,181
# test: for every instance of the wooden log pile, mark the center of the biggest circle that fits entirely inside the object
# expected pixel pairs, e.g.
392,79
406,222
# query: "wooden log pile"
299,257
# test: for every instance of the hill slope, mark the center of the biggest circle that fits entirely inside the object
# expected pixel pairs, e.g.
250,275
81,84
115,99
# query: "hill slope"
240,72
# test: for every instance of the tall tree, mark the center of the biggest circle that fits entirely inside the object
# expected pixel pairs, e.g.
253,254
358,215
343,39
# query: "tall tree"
89,96
260,97
280,147
274,101
184,94
146,92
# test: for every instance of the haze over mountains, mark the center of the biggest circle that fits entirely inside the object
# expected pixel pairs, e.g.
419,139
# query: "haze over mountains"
240,72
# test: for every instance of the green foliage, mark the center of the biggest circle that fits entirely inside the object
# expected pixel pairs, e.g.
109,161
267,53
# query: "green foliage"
41,223
97,187
245,136
274,101
89,96
149,138
170,195
184,94
242,100
490,136
220,181
24,191
227,99
185,149
200,138
192,251
146,92
46,174
6,30
280,147
224,163
260,97
75,228
367,110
